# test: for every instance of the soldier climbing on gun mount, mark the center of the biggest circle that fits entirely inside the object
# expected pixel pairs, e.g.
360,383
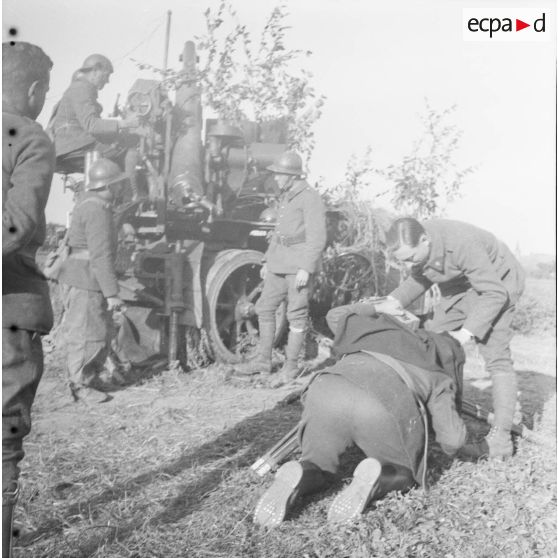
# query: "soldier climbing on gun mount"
480,282
76,125
293,255
27,168
90,287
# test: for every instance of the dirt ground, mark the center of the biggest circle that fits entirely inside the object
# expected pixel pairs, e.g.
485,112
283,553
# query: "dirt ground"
171,455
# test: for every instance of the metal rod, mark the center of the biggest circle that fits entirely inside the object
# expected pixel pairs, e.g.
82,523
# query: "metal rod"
167,39
173,336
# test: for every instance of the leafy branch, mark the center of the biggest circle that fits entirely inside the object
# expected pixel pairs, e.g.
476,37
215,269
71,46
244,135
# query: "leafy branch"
428,179
243,79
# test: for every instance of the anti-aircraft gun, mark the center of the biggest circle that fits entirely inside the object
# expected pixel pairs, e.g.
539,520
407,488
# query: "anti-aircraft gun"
193,234
195,225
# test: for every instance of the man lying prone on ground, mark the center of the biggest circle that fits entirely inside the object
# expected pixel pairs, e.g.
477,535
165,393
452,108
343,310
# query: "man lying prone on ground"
391,385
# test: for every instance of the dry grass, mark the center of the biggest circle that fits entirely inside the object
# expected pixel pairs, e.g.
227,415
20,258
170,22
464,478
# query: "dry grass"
162,471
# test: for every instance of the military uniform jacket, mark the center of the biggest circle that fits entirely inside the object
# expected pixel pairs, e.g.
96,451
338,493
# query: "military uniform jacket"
27,167
464,257
76,120
93,242
300,232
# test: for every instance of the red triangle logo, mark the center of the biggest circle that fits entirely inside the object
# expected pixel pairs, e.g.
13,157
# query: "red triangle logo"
519,25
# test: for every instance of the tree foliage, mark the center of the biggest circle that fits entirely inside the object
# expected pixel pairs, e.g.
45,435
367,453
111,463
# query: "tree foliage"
428,179
243,78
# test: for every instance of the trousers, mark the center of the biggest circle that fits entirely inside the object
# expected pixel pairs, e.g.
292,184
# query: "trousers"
277,288
87,331
495,347
361,401
22,368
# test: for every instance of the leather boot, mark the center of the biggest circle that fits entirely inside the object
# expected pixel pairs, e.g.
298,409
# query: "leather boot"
498,443
262,363
9,500
292,480
289,371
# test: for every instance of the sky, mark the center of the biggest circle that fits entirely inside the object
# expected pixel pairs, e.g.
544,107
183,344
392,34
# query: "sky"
376,62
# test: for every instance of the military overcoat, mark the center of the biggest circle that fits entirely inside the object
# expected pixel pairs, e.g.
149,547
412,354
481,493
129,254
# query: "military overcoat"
464,257
27,168
93,243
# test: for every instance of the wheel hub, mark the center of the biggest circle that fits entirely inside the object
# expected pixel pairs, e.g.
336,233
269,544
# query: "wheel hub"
244,309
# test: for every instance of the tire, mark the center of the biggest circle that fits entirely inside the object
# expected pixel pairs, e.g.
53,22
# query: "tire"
233,284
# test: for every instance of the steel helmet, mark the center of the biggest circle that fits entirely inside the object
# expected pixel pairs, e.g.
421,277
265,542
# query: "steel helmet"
289,162
103,173
96,62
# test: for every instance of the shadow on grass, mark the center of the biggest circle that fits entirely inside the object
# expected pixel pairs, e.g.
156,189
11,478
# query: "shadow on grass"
237,448
534,390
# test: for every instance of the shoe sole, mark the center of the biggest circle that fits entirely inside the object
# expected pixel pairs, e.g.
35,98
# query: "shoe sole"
272,507
350,503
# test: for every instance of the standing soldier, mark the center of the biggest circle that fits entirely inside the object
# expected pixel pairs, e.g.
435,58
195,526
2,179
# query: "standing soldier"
27,167
293,255
480,283
91,287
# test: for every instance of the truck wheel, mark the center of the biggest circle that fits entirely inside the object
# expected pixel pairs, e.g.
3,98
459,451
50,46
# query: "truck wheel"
232,288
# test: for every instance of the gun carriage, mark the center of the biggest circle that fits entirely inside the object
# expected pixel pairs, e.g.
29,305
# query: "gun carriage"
197,220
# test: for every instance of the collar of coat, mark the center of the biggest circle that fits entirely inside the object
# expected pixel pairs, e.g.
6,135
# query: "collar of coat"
437,255
297,187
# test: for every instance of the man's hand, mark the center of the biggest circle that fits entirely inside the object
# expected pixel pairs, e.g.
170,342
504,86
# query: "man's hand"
131,121
263,271
114,303
462,335
389,306
301,279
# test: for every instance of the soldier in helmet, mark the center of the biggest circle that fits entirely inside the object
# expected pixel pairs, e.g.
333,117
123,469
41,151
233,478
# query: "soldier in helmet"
90,284
27,167
76,125
293,255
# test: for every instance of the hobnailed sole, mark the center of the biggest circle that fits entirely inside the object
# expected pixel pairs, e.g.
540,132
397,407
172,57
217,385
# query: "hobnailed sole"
272,507
350,503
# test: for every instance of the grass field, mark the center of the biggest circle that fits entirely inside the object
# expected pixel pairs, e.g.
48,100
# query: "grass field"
162,470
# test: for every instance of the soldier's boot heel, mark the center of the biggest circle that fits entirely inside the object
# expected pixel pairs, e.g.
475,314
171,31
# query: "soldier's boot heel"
350,503
276,501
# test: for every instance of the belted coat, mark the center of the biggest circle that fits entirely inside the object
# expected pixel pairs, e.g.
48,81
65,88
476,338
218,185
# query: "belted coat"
93,242
464,257
300,232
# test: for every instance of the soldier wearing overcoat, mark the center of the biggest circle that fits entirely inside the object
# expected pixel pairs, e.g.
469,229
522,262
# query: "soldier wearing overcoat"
90,283
27,168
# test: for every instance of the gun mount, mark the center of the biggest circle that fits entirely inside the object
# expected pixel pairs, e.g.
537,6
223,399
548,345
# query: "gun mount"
195,223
